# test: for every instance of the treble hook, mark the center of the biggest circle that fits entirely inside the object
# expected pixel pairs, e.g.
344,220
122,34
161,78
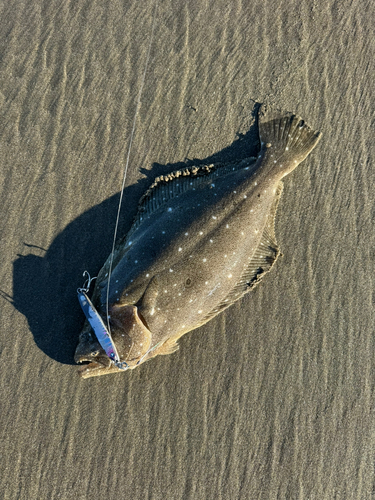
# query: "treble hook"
87,283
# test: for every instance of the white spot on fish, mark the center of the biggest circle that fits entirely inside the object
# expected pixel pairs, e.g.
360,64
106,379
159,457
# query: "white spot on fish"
180,249
204,260
229,275
171,270
169,209
200,232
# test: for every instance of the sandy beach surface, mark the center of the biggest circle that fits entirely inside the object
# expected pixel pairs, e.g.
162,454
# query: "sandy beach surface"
274,398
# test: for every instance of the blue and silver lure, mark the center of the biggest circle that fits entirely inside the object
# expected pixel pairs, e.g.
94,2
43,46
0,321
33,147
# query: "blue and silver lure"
97,324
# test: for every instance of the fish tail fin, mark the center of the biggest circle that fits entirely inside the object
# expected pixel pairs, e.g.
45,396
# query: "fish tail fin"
286,136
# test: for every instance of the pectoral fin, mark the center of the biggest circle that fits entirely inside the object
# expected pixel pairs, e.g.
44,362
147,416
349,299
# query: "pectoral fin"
168,347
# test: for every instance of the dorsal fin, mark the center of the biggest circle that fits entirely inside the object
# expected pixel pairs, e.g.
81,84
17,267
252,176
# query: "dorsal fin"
263,259
166,187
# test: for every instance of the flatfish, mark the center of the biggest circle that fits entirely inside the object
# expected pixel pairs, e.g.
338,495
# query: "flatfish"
202,238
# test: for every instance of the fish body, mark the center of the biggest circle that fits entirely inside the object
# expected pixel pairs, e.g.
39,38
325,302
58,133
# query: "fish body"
202,238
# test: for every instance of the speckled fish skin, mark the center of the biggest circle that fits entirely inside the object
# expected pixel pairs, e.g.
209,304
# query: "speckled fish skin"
202,239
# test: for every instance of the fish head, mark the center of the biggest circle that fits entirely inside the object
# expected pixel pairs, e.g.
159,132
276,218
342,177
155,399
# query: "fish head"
130,335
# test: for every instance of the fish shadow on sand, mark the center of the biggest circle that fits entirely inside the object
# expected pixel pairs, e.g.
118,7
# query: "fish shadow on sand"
45,281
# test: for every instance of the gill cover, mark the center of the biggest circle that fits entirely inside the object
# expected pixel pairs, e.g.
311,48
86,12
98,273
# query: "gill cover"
132,336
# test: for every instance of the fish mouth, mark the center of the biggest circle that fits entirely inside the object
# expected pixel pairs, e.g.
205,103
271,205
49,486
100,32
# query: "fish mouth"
94,367
91,356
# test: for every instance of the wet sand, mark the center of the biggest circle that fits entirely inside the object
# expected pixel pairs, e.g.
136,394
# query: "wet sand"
274,398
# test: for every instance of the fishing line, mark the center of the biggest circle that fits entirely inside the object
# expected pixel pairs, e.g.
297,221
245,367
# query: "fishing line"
127,160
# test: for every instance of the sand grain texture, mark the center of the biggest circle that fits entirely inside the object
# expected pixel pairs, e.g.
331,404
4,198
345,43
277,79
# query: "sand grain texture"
273,399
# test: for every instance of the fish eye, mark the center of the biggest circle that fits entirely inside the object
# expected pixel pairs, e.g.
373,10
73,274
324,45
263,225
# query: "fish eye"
188,282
